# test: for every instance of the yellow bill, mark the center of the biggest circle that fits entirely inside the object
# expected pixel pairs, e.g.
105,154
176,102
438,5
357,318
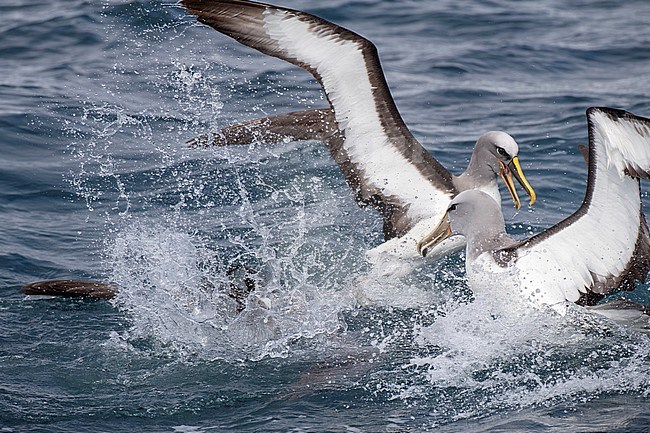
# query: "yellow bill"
513,170
437,235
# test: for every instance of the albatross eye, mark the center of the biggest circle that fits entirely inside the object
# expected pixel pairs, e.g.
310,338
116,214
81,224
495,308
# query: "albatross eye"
452,207
501,151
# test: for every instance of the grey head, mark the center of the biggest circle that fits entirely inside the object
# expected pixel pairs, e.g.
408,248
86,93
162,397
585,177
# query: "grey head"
475,215
495,153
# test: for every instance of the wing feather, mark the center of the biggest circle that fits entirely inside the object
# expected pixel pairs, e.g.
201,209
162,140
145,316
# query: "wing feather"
315,124
389,167
605,244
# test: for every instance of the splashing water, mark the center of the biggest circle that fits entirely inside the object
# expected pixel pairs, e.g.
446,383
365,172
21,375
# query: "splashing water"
525,357
177,222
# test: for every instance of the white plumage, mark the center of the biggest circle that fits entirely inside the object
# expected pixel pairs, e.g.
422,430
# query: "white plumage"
603,246
381,160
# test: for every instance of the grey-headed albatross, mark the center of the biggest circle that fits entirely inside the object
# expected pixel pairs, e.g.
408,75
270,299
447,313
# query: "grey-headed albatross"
381,160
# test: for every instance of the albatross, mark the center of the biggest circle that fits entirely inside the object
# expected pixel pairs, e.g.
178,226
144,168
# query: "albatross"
379,157
602,247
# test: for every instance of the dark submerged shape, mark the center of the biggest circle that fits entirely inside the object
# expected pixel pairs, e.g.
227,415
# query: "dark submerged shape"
71,289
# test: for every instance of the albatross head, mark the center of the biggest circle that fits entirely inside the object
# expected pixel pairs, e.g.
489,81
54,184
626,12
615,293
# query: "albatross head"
496,152
474,214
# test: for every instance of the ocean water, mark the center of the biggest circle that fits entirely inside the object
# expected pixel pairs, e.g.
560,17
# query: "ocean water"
97,100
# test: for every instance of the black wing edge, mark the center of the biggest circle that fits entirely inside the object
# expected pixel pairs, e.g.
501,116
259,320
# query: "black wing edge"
639,266
641,125
244,22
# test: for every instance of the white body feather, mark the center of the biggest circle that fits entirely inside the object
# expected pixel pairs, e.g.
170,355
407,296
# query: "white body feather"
595,244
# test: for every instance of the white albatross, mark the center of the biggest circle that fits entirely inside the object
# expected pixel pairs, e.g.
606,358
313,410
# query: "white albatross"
603,246
381,160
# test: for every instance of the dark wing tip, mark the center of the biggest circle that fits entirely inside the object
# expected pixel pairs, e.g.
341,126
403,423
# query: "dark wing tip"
205,141
244,21
200,142
641,126
200,7
212,4
71,288
314,124
616,114
613,113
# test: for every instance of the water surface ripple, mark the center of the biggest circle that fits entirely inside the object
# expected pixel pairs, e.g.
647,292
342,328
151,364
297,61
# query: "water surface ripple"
98,99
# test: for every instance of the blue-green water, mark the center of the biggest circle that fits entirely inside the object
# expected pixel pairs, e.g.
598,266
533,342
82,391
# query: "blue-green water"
97,101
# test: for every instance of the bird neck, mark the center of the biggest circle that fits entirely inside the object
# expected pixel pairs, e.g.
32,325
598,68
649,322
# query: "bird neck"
483,180
486,237
481,171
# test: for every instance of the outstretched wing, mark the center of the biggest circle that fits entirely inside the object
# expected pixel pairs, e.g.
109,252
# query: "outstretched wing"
378,155
605,244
